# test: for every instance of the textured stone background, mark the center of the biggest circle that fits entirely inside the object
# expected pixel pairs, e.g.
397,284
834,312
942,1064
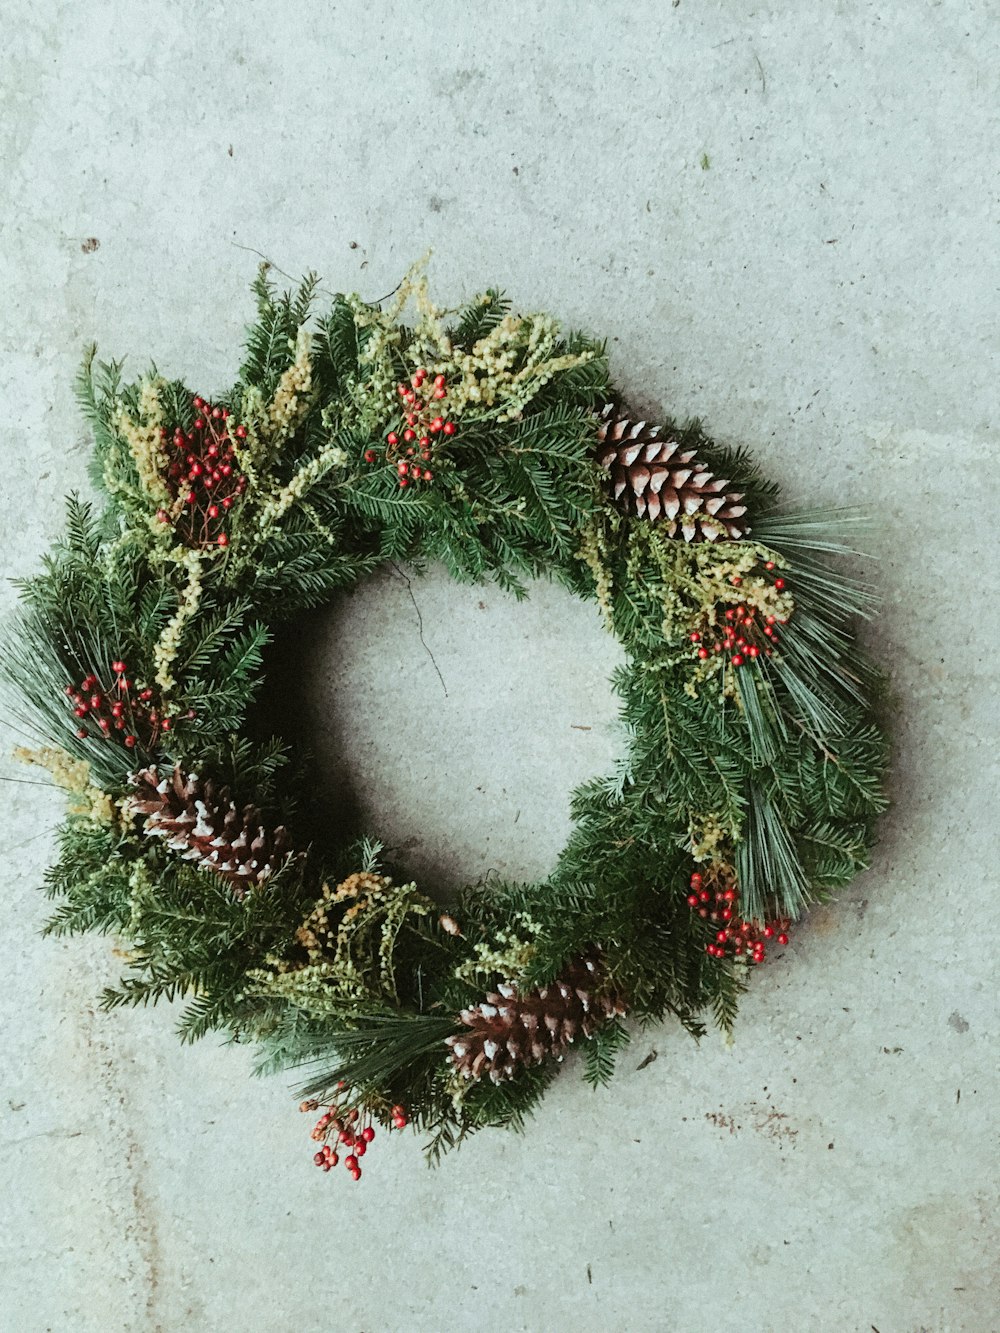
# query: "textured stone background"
784,217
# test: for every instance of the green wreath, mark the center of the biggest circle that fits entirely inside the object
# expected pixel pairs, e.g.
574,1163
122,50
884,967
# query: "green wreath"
488,442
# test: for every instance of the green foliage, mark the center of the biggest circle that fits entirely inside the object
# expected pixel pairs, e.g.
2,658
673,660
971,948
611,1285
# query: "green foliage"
773,773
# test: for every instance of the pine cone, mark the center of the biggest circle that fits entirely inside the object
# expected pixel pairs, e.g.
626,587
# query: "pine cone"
657,479
509,1031
199,820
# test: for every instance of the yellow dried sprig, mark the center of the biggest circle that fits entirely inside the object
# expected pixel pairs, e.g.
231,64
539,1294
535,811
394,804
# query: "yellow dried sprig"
168,645
145,442
73,775
292,399
279,503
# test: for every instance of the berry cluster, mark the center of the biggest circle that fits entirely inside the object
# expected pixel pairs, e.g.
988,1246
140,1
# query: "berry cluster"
117,711
205,474
423,419
739,940
744,633
346,1129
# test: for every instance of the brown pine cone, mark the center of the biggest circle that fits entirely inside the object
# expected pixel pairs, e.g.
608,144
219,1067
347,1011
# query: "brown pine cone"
655,478
509,1031
201,822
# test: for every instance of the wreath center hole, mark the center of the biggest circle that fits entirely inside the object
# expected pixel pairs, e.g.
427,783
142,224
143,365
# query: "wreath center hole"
453,723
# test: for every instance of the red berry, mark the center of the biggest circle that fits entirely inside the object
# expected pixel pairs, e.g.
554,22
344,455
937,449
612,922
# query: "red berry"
162,516
104,724
409,435
402,468
199,423
360,1148
392,438
319,1158
118,667
449,428
782,938
369,455
130,742
165,724
351,1162
779,583
441,392
753,651
768,932
404,481
428,475
82,733
692,900
737,660
213,511
241,432
704,896
439,381
368,1134
222,539
227,502
703,653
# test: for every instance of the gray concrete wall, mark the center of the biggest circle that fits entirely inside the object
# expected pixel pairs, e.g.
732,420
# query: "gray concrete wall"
785,219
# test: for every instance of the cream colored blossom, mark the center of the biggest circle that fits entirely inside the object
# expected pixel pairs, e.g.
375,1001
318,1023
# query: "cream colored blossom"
168,645
73,775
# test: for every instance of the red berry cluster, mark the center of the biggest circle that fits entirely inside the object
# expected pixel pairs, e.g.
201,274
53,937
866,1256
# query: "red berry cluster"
745,634
205,473
742,939
423,419
350,1130
117,711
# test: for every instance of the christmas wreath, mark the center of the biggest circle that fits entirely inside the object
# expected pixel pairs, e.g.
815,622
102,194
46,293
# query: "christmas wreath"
491,443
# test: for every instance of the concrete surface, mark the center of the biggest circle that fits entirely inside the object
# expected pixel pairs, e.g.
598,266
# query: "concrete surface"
784,217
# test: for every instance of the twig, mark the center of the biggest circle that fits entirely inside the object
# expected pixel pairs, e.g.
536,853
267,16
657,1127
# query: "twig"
420,625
